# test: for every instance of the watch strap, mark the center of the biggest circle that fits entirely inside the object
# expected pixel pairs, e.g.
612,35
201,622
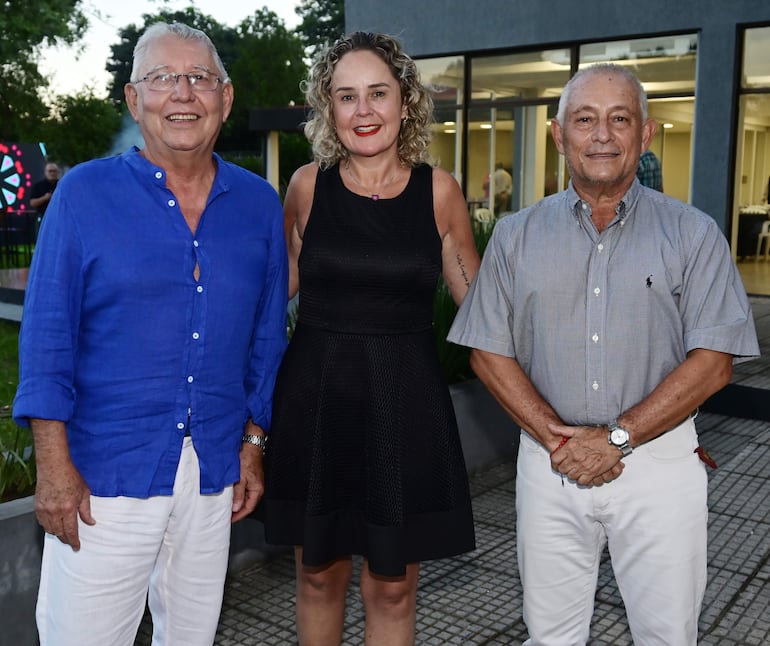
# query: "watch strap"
256,440
625,448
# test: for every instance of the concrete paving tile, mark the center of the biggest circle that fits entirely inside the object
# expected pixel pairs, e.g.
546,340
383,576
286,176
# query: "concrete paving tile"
740,496
722,589
737,546
495,507
609,626
500,475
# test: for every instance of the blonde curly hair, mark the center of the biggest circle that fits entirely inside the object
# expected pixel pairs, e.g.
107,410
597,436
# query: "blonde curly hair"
414,136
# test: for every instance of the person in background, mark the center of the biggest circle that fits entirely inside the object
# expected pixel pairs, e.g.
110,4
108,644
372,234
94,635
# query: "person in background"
365,456
42,191
603,358
154,323
503,188
649,171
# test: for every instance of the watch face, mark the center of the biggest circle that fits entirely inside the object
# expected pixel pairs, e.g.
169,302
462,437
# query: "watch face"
619,436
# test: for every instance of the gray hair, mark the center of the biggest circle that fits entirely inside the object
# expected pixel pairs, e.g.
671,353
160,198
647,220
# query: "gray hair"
602,68
177,30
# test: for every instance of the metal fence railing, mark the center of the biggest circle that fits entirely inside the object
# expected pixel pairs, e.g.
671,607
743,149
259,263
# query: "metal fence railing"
18,235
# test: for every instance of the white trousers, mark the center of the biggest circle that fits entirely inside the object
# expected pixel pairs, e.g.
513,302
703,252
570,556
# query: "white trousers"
654,520
176,547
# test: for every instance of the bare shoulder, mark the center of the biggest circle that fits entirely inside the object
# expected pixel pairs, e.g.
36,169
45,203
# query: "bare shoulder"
444,184
304,178
449,205
299,198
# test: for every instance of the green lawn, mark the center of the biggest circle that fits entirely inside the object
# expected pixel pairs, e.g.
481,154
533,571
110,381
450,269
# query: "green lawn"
17,464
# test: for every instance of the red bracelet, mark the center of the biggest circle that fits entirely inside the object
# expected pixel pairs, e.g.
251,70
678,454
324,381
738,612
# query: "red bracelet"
561,444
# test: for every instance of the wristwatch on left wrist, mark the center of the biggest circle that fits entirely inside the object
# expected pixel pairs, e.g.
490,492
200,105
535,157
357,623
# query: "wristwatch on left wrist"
619,437
256,440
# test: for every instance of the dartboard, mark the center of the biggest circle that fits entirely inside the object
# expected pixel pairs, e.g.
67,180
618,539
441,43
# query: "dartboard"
14,180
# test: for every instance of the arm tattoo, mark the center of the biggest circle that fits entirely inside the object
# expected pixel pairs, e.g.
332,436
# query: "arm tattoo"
463,271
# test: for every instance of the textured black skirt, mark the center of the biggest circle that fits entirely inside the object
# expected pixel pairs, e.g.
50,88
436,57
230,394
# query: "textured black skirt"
364,455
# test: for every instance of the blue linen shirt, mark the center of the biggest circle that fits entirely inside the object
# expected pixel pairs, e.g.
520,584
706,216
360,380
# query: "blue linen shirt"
597,320
123,344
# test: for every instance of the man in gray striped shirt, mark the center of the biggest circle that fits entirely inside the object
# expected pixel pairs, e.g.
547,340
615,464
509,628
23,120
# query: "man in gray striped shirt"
601,318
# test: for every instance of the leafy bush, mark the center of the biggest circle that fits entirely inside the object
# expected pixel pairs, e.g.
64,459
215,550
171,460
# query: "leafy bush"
17,461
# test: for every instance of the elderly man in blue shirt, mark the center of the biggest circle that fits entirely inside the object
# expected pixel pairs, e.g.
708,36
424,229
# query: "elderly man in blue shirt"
153,326
602,355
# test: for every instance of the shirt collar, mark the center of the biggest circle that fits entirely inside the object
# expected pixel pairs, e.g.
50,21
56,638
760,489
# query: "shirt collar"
623,209
140,164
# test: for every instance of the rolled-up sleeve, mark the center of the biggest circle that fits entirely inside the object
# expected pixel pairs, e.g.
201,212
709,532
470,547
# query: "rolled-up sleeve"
50,320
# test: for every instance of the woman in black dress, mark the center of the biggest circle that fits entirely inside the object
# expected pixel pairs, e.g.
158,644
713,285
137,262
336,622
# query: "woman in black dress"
365,457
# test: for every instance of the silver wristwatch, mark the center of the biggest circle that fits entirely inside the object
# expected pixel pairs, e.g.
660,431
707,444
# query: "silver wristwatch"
619,437
256,440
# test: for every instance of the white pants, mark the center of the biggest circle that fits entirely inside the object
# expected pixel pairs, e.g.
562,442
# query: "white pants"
654,520
174,546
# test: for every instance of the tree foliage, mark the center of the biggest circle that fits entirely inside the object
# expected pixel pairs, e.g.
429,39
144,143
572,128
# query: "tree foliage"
323,22
83,127
267,72
26,27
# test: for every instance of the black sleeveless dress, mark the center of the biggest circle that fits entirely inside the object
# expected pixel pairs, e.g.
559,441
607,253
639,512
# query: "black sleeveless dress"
364,454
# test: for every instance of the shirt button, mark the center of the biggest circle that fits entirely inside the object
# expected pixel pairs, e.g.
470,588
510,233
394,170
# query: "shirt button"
597,291
199,289
595,338
195,243
595,385
172,202
180,425
158,175
600,247
190,379
196,336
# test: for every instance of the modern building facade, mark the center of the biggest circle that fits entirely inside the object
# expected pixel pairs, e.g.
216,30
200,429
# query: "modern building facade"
496,69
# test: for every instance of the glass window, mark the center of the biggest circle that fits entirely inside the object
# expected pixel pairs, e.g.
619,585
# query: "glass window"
508,139
751,201
445,79
664,64
513,96
446,144
529,75
754,162
490,146
756,58
673,143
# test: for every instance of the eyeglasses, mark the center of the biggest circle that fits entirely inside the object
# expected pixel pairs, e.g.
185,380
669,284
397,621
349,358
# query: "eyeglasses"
199,81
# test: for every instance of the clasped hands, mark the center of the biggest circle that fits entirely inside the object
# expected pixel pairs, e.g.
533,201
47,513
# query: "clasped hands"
587,458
